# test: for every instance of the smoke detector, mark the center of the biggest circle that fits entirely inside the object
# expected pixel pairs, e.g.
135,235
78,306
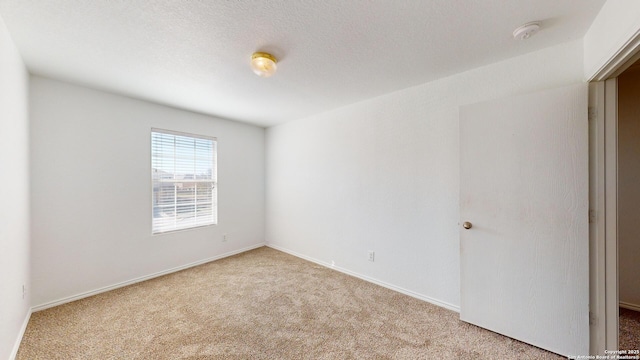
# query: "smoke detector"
526,31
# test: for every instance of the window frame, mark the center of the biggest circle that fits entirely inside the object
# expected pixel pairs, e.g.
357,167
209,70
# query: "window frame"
213,181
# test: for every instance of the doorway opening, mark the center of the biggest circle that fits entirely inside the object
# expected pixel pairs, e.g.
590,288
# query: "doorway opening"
611,204
628,150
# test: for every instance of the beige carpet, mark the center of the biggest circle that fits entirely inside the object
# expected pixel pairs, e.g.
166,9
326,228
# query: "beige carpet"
629,330
261,304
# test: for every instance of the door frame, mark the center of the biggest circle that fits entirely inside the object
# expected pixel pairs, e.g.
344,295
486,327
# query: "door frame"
603,196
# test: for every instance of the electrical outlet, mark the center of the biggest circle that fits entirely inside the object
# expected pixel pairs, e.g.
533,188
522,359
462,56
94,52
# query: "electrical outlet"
24,291
372,255
225,237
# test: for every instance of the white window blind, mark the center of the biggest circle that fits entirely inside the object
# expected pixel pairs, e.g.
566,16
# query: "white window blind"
183,172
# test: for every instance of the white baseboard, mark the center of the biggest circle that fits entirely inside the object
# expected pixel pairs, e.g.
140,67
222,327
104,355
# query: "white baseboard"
16,346
140,279
629,306
369,279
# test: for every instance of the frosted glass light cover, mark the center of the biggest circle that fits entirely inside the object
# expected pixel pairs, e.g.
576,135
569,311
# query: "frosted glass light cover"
263,64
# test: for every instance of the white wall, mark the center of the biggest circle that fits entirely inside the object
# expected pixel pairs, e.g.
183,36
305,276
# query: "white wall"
91,190
383,175
629,187
14,192
617,24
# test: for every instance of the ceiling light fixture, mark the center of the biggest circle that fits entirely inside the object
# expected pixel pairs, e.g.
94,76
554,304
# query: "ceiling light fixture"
263,64
526,31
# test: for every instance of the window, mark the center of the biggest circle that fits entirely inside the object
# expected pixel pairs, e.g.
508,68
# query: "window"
183,173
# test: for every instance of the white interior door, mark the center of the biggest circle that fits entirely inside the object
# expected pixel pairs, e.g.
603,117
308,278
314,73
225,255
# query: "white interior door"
524,188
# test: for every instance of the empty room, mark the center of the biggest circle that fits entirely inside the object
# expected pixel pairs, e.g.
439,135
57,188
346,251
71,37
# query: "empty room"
318,179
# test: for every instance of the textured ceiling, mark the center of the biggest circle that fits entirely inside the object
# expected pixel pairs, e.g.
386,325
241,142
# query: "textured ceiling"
195,54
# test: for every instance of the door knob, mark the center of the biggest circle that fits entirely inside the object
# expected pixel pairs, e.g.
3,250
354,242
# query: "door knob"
467,225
